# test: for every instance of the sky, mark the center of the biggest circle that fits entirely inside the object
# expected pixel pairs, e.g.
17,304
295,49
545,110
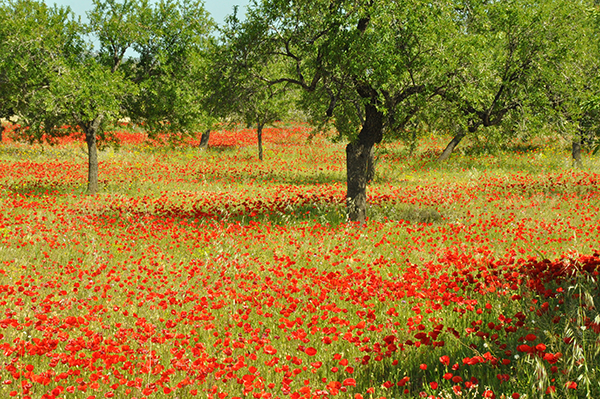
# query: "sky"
218,9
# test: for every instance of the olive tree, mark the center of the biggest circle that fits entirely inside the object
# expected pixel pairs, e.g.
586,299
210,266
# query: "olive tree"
364,67
55,77
34,40
571,87
58,78
244,92
172,69
510,53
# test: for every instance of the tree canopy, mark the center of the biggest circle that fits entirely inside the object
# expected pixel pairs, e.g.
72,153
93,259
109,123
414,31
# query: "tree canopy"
509,54
172,67
369,67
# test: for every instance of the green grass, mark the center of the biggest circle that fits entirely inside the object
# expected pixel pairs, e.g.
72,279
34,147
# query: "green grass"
220,236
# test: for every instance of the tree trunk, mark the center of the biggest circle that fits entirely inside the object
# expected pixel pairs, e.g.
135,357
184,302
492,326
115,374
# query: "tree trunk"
576,152
90,138
371,165
204,139
358,156
357,160
451,146
259,129
413,143
91,129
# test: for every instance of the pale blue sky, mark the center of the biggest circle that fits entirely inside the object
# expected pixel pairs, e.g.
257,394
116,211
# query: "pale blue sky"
218,9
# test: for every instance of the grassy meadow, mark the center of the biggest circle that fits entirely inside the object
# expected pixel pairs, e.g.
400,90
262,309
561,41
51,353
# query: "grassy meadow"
207,273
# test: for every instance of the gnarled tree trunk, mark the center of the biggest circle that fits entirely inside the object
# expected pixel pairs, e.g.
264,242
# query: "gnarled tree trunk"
91,130
259,128
92,146
204,139
576,151
358,157
371,165
451,146
472,128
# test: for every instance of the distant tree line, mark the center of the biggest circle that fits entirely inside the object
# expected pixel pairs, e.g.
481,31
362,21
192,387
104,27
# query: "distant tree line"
370,69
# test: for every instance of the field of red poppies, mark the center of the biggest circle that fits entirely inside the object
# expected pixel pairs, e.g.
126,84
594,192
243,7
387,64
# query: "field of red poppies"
207,273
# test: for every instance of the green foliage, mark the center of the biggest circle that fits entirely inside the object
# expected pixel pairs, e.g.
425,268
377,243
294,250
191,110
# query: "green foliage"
243,91
570,83
172,67
38,44
345,55
510,54
54,78
117,26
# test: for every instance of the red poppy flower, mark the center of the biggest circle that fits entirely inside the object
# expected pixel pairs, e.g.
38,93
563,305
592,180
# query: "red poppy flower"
310,351
571,385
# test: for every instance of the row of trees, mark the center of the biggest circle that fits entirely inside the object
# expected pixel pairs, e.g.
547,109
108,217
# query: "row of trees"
52,76
369,68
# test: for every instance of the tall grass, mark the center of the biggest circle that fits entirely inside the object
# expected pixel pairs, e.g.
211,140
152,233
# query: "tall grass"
209,273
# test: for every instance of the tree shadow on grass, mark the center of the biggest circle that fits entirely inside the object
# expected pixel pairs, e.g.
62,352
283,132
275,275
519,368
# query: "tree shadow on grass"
317,179
521,148
276,177
28,152
406,212
43,189
330,212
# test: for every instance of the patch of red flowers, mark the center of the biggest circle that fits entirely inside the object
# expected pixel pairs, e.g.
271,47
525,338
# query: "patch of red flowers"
200,294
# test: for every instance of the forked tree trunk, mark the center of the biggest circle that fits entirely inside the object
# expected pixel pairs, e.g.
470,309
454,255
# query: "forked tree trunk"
259,129
358,157
204,139
451,146
576,152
